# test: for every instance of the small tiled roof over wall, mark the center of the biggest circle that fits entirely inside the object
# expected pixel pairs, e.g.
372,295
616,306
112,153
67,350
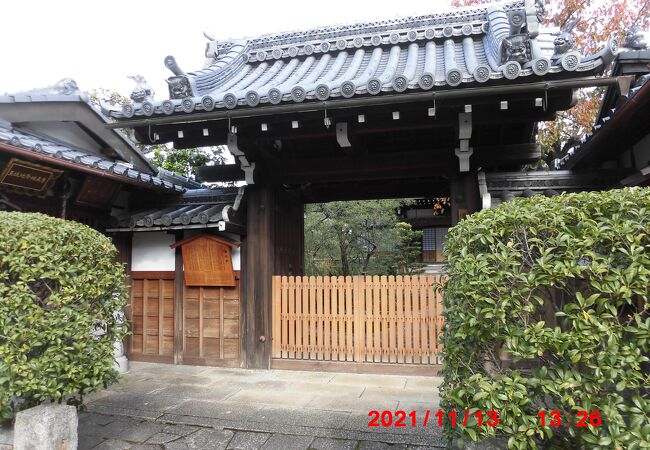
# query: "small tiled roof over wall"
197,208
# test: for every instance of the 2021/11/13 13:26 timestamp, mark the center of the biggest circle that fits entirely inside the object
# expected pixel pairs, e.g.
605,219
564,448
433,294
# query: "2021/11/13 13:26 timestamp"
584,418
455,418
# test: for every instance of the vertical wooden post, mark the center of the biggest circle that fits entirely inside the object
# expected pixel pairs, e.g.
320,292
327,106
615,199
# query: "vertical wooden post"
327,319
312,317
440,321
179,285
408,314
291,317
400,318
464,195
145,313
349,319
161,314
284,317
359,318
319,318
257,270
392,325
305,320
431,318
415,281
376,319
383,281
201,322
275,314
221,325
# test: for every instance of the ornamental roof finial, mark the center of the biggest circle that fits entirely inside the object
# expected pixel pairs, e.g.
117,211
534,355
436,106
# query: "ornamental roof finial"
636,39
142,91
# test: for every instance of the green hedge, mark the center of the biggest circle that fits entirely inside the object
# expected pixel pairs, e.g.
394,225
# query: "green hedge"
547,309
58,283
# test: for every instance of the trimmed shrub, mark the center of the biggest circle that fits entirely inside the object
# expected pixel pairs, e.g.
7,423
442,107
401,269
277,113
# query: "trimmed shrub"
546,309
59,288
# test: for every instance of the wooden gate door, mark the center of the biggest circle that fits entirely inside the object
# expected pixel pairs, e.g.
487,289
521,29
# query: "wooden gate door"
151,314
211,326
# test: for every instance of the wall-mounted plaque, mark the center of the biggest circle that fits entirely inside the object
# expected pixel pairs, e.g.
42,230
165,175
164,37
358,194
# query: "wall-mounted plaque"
25,177
97,193
207,261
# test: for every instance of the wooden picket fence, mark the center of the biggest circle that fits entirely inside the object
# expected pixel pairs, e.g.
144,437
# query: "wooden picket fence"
361,319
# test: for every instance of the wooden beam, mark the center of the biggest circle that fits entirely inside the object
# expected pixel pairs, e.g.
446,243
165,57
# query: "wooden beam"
405,165
329,192
225,172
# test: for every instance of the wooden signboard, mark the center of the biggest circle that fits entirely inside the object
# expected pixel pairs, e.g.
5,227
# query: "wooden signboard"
97,193
25,177
207,261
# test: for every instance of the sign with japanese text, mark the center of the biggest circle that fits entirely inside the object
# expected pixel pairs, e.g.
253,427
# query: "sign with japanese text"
28,178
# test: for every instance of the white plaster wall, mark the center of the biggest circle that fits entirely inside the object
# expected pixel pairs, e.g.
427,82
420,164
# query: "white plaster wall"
236,259
151,251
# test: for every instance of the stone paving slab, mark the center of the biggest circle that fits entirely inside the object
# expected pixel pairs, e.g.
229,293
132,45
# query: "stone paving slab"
347,403
287,442
158,402
184,391
305,418
423,383
248,440
333,444
373,445
391,381
204,408
270,397
209,439
185,408
111,410
324,389
402,395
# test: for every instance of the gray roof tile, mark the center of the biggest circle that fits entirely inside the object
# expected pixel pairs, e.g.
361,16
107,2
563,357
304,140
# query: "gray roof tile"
197,207
27,140
426,52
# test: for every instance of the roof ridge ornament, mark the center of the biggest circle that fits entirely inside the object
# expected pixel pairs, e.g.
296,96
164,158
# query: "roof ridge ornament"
636,39
211,48
142,90
565,41
171,64
65,86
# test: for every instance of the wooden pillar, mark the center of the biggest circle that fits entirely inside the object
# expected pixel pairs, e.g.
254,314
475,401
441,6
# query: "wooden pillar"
257,268
273,246
465,197
178,302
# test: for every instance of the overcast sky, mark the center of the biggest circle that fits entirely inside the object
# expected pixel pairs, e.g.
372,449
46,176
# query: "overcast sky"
99,43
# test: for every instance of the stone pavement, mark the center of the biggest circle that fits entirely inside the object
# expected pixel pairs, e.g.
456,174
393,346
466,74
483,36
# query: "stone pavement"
158,406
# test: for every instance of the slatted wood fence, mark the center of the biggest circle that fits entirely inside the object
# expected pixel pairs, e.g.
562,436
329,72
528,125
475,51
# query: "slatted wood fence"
362,319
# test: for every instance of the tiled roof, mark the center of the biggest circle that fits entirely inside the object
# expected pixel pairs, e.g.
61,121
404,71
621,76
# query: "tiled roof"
44,146
458,48
505,186
197,208
606,122
67,92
